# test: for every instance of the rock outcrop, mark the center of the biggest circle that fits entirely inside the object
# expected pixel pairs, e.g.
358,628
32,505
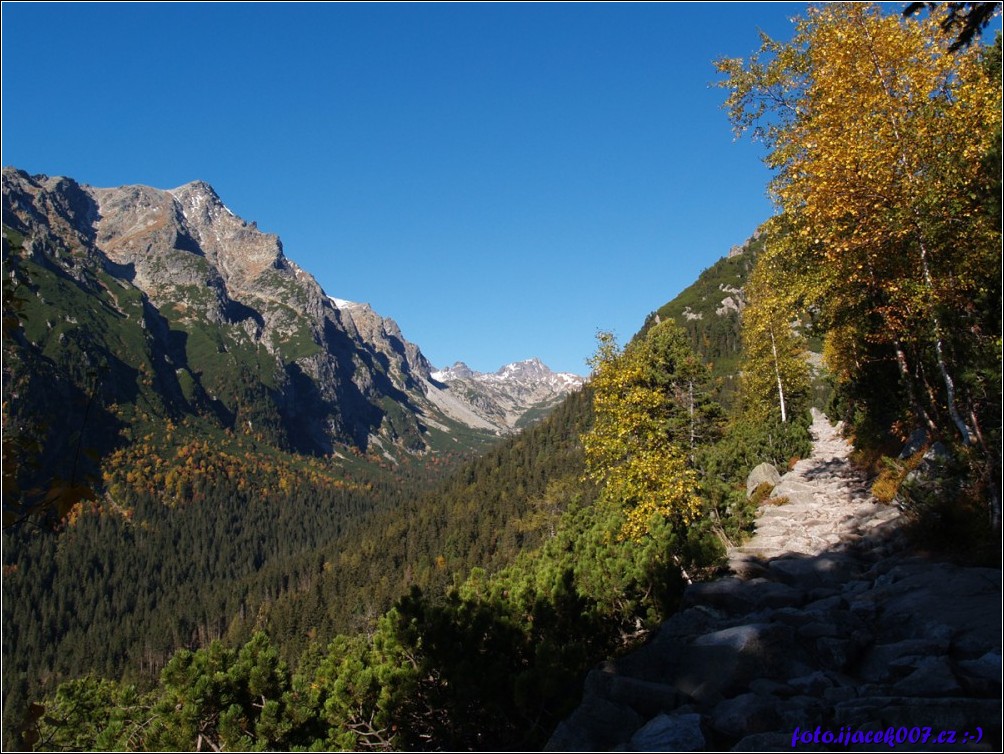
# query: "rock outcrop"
764,473
828,626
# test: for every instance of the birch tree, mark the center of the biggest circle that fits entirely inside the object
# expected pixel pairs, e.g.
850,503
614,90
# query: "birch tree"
878,136
645,422
775,373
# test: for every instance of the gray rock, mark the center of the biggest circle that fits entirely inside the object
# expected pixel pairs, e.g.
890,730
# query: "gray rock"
670,733
809,573
942,600
981,676
570,737
798,493
834,653
932,479
861,606
813,684
645,697
822,593
839,694
822,609
932,677
938,452
947,713
765,472
793,616
916,441
746,565
854,633
987,666
727,660
691,621
596,724
744,714
767,687
728,593
794,711
888,663
818,629
738,595
838,653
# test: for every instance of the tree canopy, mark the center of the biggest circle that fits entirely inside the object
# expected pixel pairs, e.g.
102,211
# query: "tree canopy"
883,143
649,405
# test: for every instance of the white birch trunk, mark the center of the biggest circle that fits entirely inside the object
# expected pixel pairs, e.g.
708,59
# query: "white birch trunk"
777,373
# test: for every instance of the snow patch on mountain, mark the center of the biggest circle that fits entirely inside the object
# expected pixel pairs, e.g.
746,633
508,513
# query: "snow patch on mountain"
341,303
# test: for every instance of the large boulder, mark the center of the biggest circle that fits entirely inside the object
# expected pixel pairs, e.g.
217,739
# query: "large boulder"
745,714
681,732
645,697
914,443
722,663
828,569
596,725
734,595
932,481
765,472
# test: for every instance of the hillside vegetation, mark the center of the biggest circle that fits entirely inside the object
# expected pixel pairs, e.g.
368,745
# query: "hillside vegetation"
465,615
886,151
709,311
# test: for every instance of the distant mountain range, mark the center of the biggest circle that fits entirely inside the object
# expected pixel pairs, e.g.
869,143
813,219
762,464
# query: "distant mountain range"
515,395
163,304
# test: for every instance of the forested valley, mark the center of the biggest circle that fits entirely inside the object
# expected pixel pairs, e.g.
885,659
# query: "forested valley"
207,589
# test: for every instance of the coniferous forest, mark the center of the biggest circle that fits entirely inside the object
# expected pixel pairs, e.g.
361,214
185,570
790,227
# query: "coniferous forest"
189,586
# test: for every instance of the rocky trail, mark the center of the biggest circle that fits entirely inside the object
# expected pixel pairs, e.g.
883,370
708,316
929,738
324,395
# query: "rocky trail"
829,632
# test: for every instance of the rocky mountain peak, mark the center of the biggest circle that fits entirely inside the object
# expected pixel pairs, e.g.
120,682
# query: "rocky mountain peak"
532,368
197,188
383,337
459,371
243,250
506,397
39,197
234,325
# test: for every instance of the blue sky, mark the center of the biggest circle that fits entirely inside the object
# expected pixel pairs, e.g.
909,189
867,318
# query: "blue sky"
504,180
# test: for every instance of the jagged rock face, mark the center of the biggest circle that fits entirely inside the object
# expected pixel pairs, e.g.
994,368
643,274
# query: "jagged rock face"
226,307
210,276
407,365
734,301
513,393
183,238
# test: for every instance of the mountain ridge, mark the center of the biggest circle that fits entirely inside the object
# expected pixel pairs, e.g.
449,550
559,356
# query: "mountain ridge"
224,313
506,397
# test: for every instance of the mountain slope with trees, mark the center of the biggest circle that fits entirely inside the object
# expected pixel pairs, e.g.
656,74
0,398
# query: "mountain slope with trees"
131,306
569,543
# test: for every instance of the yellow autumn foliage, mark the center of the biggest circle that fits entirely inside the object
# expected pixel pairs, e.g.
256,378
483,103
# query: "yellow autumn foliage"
879,136
631,453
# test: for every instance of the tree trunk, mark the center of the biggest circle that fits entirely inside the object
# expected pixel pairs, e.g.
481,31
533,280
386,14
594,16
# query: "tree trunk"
904,375
693,430
953,410
777,373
